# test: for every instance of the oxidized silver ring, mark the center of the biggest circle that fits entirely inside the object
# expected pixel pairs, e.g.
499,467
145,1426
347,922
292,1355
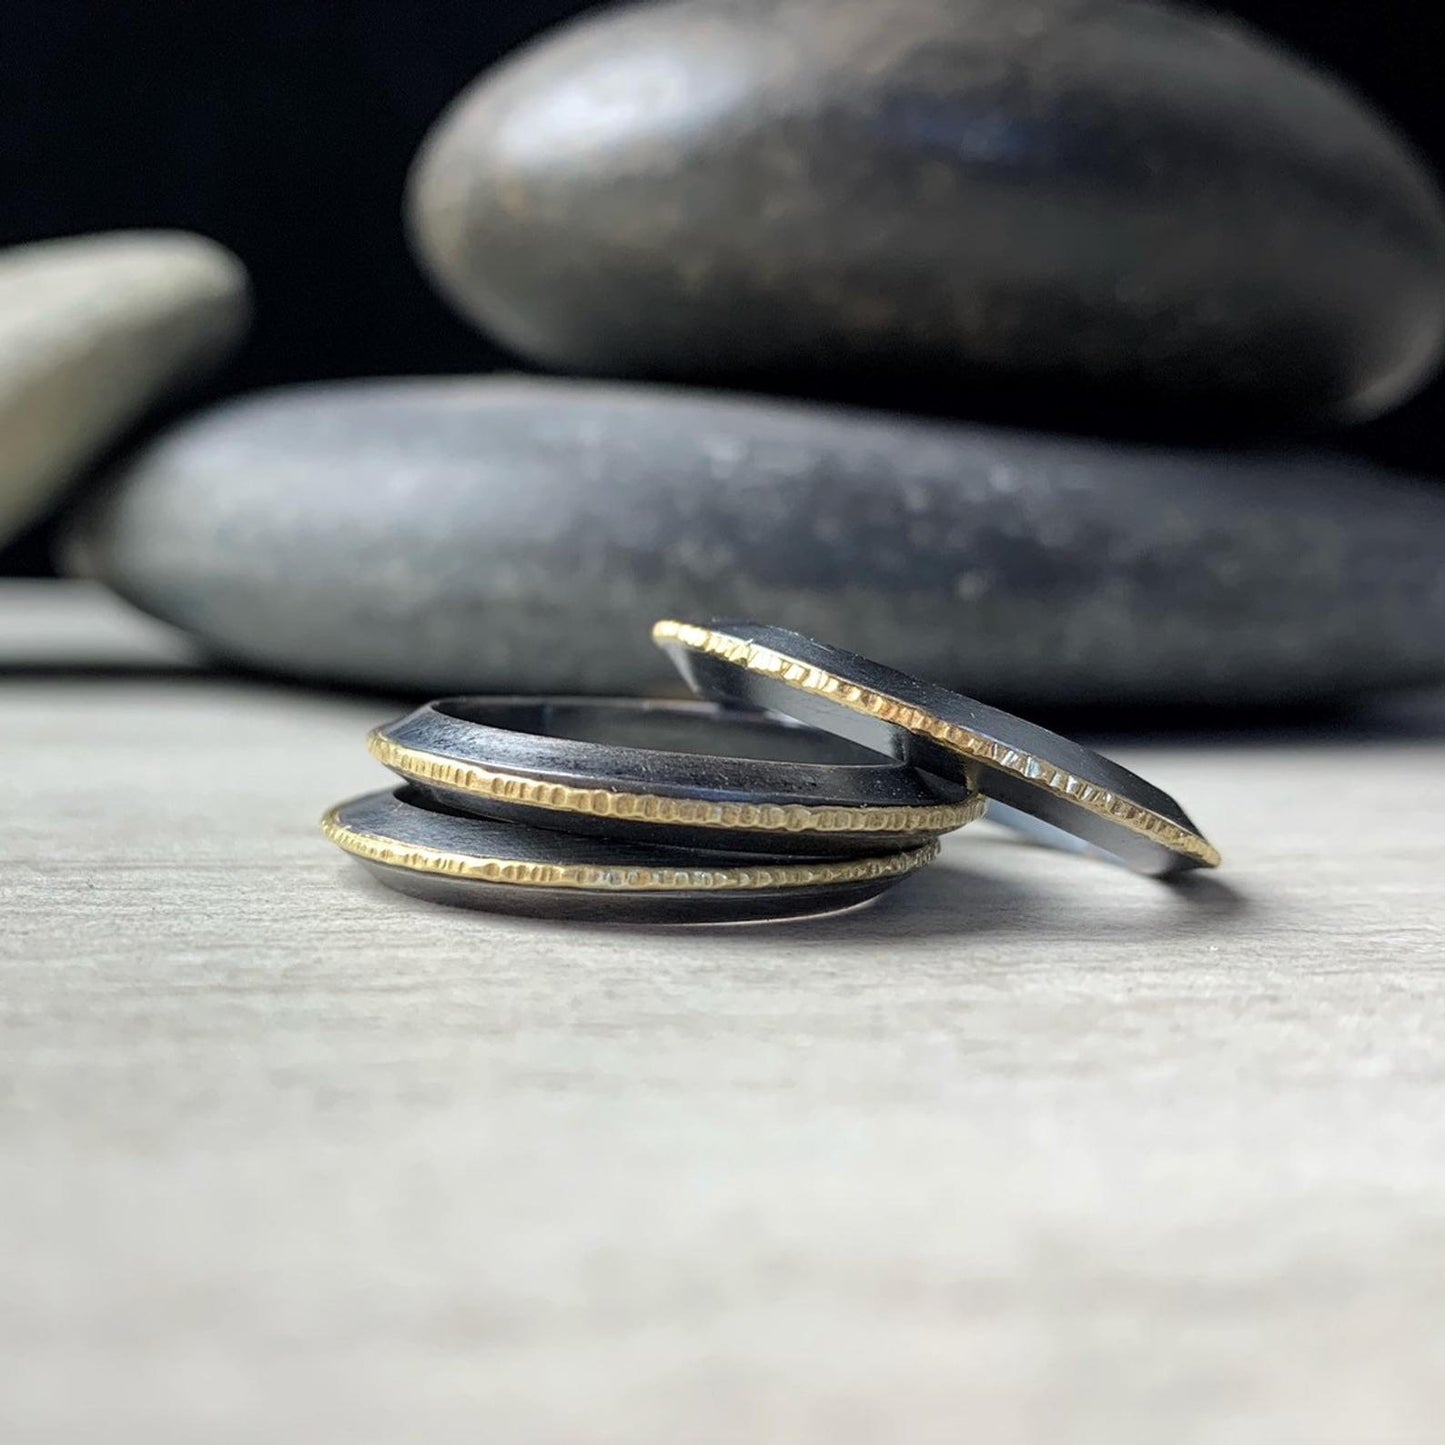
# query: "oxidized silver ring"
419,848
685,774
1021,765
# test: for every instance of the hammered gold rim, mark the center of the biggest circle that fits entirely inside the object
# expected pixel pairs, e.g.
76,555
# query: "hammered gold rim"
805,677
587,877
503,787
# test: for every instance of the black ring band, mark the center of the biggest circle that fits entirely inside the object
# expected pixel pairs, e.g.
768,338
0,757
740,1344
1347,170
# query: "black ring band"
941,732
447,857
687,774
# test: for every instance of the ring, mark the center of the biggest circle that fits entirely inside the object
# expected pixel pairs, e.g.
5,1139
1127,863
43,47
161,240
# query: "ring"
471,862
687,774
1015,762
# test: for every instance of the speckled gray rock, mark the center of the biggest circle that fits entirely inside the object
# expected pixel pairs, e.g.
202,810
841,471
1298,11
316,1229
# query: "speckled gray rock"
93,329
1118,203
455,535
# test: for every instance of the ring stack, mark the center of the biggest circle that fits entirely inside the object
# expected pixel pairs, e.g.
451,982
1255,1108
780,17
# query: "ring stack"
805,780
664,812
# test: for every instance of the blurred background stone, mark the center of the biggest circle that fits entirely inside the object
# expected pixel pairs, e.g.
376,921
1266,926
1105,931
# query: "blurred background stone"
924,201
93,329
453,534
301,175
291,136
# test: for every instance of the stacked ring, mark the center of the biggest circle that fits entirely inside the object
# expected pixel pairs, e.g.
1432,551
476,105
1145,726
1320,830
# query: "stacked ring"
460,859
1017,763
687,774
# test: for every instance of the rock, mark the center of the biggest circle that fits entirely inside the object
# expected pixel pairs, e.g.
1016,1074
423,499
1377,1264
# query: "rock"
92,330
1111,203
522,535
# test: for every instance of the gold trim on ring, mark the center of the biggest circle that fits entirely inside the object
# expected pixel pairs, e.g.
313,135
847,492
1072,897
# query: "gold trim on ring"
375,848
425,767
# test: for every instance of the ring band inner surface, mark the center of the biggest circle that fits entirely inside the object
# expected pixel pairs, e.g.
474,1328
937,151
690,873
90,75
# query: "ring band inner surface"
669,727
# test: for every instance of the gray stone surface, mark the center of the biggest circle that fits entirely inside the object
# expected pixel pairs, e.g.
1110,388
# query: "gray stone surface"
524,534
1036,1152
93,329
1111,201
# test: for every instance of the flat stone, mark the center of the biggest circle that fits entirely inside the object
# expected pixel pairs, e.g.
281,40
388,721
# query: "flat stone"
92,330
523,534
1115,205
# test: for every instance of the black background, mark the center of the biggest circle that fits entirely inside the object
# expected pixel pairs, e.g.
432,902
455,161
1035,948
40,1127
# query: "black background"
284,129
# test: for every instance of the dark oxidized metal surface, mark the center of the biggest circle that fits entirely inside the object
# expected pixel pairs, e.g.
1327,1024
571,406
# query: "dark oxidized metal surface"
686,774
484,863
1016,762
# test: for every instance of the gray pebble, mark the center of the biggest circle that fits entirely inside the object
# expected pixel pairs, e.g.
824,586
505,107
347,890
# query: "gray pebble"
1114,204
523,535
92,330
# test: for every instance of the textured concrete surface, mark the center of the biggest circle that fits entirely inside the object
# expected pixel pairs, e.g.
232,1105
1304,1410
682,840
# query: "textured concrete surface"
1036,1151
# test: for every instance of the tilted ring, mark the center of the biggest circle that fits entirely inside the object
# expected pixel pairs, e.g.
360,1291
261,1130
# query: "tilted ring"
415,846
687,774
1018,763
